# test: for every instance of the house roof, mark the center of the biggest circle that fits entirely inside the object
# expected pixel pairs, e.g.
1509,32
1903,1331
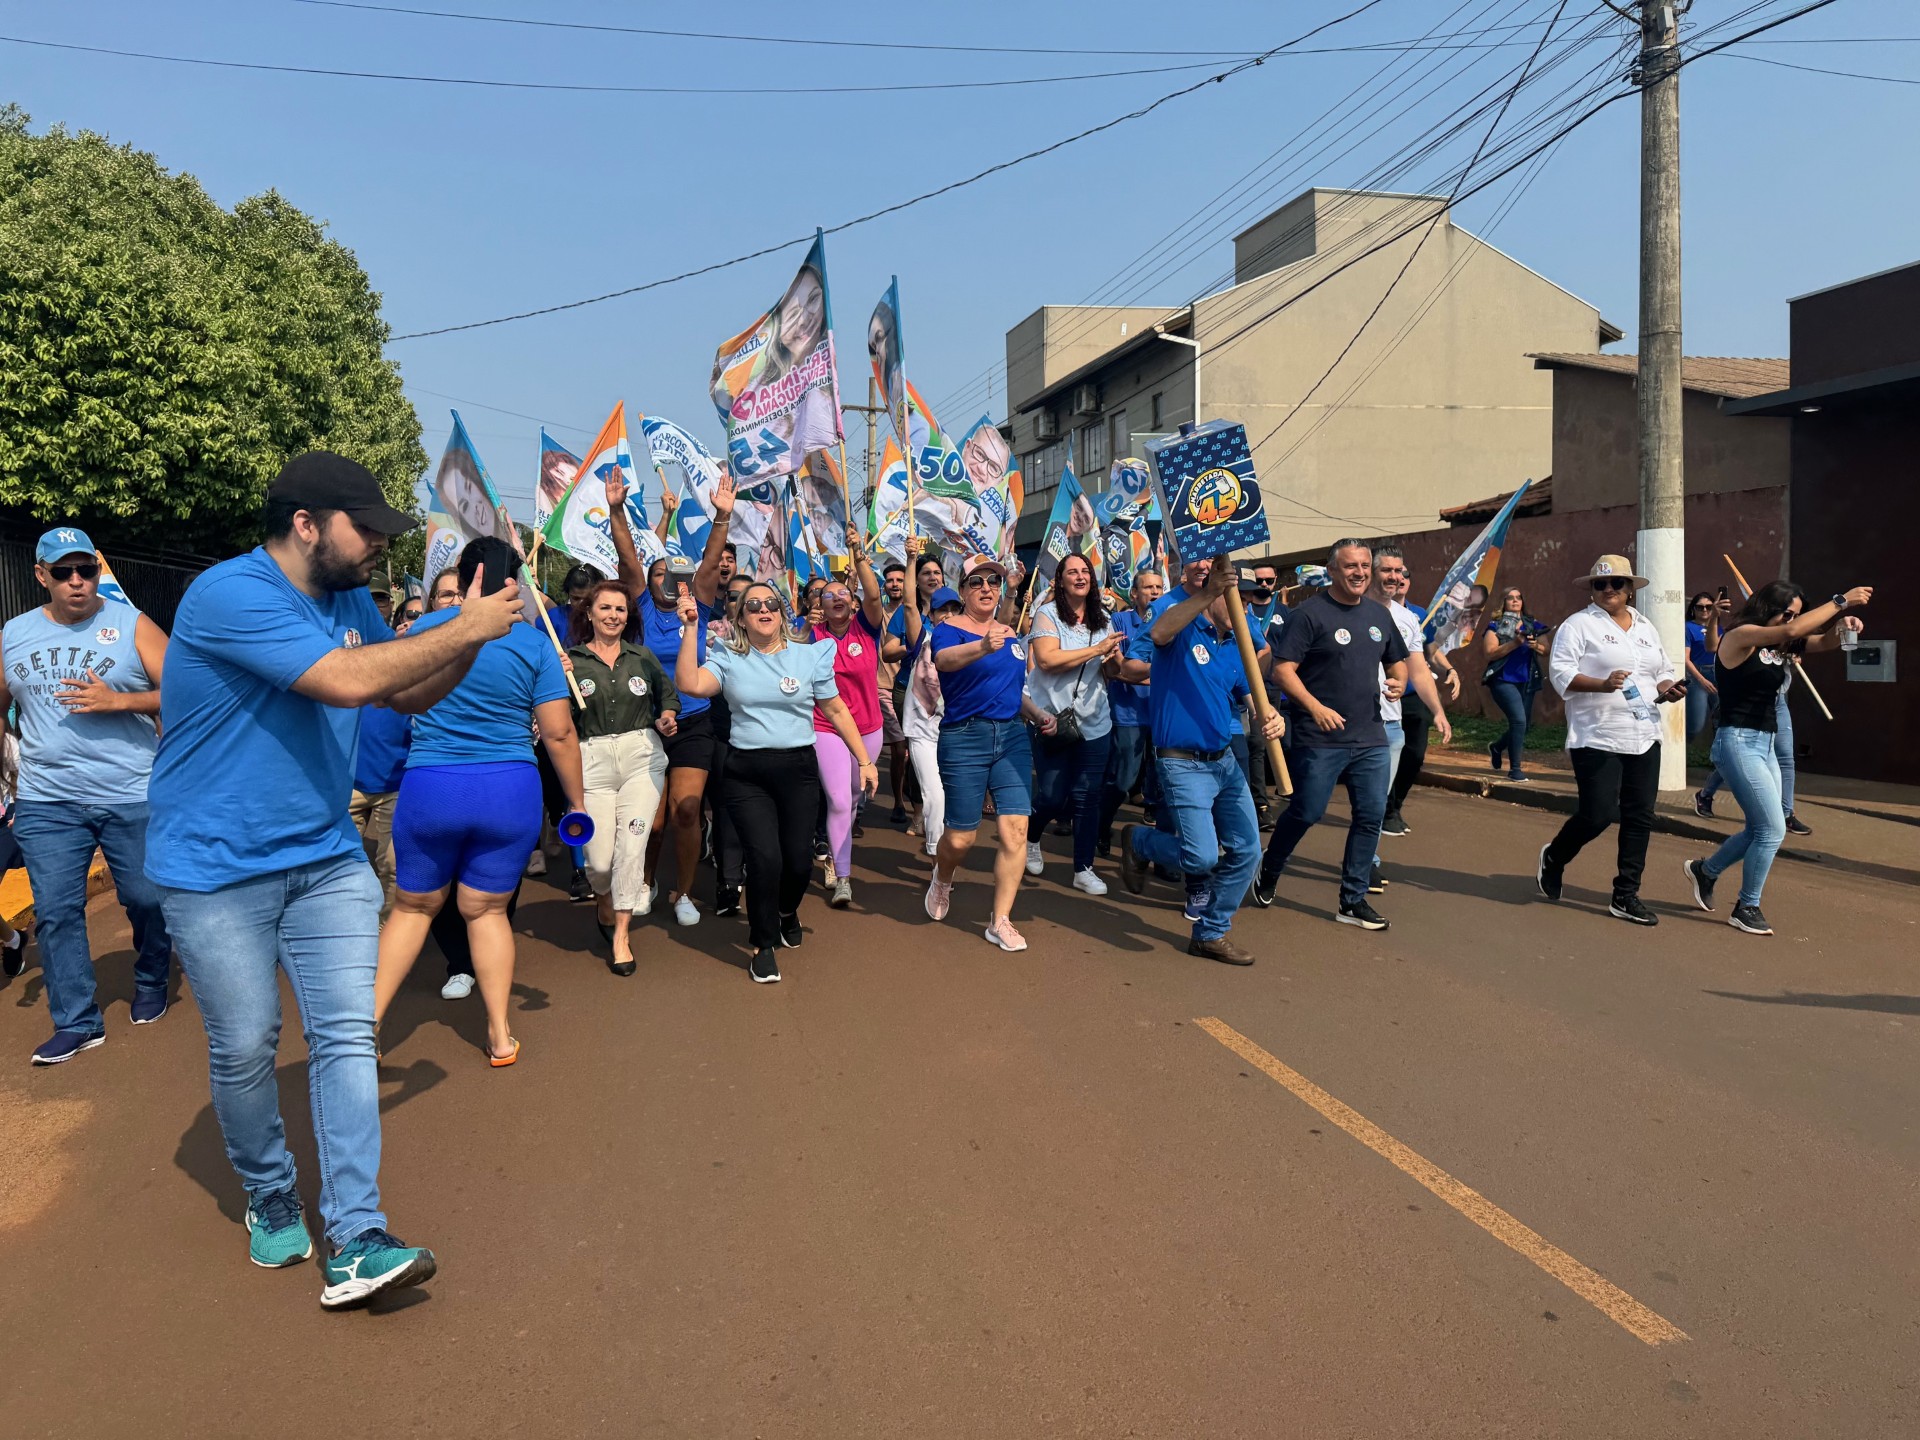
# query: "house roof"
1734,376
1539,501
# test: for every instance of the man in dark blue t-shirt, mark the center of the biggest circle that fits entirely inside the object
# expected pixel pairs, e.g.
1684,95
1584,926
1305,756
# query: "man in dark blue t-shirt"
1329,661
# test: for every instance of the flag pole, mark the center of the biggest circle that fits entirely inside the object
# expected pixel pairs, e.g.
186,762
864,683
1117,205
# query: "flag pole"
1798,668
546,617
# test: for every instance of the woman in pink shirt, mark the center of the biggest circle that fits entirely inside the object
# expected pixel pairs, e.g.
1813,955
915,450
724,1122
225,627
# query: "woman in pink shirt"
856,632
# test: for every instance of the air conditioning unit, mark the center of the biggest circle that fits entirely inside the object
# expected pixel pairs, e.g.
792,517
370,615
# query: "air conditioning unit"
1086,399
1046,425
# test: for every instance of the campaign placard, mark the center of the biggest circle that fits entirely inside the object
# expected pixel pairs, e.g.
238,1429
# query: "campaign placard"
1207,491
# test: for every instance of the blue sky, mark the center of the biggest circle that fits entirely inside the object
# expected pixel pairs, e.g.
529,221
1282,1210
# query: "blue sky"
465,203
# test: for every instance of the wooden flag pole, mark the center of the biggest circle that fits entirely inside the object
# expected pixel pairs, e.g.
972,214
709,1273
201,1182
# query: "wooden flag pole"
546,617
1256,685
1799,669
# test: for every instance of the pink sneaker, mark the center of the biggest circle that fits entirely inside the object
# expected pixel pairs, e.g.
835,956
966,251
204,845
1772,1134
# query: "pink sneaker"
1002,933
939,896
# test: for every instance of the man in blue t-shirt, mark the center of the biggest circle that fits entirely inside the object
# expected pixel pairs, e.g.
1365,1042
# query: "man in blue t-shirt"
1196,682
695,750
1330,660
259,867
378,763
1130,762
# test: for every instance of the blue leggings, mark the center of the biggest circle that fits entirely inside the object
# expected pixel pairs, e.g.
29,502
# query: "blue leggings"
476,824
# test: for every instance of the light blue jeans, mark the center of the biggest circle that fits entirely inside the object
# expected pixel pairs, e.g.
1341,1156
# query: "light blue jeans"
321,924
1782,752
1747,760
1219,834
1396,742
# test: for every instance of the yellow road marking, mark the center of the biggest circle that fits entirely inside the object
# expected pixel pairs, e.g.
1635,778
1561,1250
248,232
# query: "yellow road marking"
1594,1288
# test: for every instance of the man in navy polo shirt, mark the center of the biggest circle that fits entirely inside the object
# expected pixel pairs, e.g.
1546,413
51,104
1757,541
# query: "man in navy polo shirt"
1329,661
1195,682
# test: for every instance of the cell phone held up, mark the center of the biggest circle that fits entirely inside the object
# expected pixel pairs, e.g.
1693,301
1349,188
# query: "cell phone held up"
679,572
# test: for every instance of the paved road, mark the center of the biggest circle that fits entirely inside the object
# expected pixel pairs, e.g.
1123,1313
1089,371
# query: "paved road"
925,1188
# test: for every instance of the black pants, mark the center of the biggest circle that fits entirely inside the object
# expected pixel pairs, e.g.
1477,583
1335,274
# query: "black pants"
449,931
1416,720
1613,789
727,854
772,796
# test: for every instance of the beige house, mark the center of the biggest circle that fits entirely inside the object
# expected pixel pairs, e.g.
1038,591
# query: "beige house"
1436,401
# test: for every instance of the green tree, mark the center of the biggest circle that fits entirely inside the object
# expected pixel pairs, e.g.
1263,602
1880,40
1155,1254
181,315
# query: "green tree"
161,358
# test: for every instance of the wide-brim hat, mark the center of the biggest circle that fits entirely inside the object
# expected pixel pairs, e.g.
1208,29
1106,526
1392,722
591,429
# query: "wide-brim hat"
1612,567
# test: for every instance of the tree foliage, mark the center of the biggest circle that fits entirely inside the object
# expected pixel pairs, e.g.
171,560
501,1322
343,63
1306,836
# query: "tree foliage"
161,358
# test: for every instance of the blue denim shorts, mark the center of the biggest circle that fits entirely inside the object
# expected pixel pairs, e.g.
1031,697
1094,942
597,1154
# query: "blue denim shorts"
980,755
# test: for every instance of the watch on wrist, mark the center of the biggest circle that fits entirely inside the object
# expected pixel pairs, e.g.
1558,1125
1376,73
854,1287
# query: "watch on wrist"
1839,602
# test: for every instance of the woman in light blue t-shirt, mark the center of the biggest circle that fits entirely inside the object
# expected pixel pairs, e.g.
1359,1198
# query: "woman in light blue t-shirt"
772,683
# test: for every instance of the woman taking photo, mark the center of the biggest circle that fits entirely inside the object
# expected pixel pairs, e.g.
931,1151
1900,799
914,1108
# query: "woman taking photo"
983,746
773,777
1071,639
1760,643
1703,637
1513,644
855,635
631,707
469,807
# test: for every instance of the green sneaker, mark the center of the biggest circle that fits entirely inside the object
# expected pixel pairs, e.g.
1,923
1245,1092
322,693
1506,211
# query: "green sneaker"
371,1262
276,1233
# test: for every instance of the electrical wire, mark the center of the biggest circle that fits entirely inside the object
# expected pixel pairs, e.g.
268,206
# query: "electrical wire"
1822,70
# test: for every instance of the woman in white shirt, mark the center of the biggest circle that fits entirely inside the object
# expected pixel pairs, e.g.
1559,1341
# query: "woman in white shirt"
1072,638
1609,666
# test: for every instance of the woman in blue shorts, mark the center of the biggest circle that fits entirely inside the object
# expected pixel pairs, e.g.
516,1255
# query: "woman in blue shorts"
983,745
469,809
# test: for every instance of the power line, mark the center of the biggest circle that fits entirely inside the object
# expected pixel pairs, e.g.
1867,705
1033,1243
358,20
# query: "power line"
1822,70
546,85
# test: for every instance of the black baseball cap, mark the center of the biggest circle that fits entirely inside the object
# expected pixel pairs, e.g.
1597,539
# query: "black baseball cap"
322,480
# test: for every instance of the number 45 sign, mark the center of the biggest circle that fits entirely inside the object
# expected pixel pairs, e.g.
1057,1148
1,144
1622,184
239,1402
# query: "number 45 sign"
1207,491
747,455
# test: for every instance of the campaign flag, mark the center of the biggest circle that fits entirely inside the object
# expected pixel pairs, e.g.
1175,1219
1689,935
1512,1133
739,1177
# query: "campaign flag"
774,383
887,518
887,352
1129,483
1453,612
996,485
110,588
558,466
822,495
668,444
807,557
1126,550
579,525
462,504
1071,529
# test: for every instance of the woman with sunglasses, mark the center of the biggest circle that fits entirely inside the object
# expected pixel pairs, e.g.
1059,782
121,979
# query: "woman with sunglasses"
772,686
1611,669
1753,660
983,746
1703,638
1072,638
855,634
1513,646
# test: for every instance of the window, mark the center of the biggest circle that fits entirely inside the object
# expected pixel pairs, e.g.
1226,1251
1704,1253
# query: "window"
1040,469
1156,424
1090,448
1118,443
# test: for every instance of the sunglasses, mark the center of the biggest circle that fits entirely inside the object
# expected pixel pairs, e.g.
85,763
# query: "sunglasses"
760,605
975,581
1616,583
86,570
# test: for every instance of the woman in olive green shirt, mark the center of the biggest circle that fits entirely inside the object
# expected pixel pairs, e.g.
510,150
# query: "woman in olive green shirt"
630,706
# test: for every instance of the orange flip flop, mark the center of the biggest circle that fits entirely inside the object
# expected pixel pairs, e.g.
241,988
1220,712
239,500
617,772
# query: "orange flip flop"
500,1062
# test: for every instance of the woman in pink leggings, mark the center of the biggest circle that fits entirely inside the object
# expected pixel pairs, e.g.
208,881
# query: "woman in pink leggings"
857,633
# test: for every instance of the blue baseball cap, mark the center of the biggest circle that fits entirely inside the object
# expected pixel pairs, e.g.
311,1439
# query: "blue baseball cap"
61,542
945,595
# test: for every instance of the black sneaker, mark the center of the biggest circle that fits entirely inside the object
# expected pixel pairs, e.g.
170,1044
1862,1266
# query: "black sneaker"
1376,881
1797,826
1703,805
764,969
1493,754
726,899
789,933
1362,914
1394,825
578,890
1133,874
1629,908
1548,876
1263,887
1749,919
821,850
13,955
1701,882
899,815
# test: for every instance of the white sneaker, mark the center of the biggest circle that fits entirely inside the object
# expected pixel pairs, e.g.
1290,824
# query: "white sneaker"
685,911
645,904
458,987
1088,881
1036,862
537,862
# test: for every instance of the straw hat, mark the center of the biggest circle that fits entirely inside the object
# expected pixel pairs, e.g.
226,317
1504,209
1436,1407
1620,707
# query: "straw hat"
1612,566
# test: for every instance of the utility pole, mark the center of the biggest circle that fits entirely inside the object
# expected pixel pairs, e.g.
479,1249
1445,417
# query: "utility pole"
873,410
1661,544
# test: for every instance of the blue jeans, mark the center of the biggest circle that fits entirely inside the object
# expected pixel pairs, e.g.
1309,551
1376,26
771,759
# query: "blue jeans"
1699,710
1748,760
1129,762
57,839
321,924
980,755
1516,702
1067,781
1396,743
1219,834
1782,754
1316,770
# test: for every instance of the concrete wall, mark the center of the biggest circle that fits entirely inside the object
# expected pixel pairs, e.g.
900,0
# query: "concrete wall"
1855,328
1596,444
1056,340
1325,222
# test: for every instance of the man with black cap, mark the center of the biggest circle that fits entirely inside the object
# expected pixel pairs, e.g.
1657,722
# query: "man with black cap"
259,867
85,671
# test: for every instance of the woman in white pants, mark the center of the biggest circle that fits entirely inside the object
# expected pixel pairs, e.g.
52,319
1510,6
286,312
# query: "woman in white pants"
630,706
921,723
